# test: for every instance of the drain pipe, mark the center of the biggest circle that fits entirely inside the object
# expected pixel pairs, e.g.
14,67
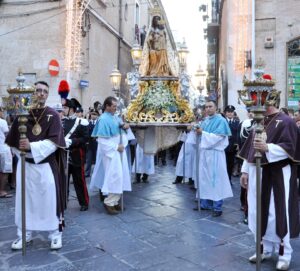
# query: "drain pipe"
120,33
253,39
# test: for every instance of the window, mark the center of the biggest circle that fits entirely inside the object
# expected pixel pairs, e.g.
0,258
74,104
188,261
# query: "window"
293,75
137,14
126,12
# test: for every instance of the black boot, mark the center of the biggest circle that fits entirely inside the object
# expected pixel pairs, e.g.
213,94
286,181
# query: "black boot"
101,196
178,179
138,177
191,182
145,178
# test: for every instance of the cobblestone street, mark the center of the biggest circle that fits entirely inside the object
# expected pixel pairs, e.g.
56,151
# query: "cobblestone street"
157,231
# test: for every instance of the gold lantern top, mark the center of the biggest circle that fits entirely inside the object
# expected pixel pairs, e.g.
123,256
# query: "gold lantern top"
20,97
259,92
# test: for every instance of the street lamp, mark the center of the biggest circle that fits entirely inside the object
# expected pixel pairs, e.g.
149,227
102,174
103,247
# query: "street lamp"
182,54
136,55
115,79
200,77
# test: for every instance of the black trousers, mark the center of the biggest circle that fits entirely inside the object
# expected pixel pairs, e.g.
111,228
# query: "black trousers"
79,184
230,163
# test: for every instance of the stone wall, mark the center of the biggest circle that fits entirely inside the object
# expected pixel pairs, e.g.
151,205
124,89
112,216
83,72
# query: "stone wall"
31,35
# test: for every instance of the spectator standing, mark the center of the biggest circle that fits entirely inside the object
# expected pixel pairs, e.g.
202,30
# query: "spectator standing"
92,143
5,157
143,33
232,147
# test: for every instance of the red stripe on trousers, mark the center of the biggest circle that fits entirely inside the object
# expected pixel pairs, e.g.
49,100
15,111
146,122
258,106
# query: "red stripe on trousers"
85,192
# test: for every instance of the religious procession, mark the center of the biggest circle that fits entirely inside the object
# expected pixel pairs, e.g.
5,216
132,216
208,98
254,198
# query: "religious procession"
113,156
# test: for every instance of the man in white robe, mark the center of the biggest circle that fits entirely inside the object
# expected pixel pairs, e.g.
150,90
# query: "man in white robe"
214,181
143,165
45,179
185,161
111,172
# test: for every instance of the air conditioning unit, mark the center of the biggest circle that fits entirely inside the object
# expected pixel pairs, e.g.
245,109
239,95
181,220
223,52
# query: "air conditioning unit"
269,42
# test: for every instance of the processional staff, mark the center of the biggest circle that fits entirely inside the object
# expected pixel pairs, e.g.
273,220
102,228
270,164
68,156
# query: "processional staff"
18,103
256,95
115,78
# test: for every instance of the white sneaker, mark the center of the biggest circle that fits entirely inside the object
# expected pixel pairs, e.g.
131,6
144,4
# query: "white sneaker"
283,265
56,243
17,244
264,256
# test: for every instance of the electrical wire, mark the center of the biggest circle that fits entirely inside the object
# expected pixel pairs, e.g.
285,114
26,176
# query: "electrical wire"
25,3
112,5
28,25
50,17
29,13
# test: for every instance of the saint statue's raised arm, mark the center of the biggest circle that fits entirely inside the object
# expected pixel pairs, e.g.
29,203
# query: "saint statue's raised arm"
156,58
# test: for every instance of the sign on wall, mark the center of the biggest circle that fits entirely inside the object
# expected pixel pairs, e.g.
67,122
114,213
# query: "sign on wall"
53,67
293,81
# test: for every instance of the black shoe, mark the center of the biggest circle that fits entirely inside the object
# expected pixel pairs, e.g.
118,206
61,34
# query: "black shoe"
191,182
138,177
216,213
206,209
178,180
145,178
84,208
201,208
101,196
164,163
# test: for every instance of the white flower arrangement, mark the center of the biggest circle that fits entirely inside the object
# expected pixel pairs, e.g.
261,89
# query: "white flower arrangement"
158,97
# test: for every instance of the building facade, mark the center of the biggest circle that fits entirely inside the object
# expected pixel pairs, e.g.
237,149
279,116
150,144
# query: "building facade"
87,39
248,30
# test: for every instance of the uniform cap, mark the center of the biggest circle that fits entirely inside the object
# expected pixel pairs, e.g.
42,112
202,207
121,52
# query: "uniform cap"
72,103
79,110
229,108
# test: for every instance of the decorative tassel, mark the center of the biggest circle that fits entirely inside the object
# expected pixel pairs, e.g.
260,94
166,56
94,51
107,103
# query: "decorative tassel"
281,248
261,247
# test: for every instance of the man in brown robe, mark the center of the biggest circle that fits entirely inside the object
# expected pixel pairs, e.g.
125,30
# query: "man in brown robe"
280,215
45,178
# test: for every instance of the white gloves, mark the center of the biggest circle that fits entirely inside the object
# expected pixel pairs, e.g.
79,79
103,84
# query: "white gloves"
68,142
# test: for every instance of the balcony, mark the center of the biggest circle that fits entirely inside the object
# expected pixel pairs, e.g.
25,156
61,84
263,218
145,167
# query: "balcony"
213,30
212,48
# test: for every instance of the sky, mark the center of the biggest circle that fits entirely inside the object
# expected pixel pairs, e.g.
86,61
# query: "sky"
186,23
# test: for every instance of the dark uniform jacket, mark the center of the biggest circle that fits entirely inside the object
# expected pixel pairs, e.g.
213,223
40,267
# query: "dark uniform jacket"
233,139
79,138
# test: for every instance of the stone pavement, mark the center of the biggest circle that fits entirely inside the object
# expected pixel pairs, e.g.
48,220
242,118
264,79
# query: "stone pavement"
158,231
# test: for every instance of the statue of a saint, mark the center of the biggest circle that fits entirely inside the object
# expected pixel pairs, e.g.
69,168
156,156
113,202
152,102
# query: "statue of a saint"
155,61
